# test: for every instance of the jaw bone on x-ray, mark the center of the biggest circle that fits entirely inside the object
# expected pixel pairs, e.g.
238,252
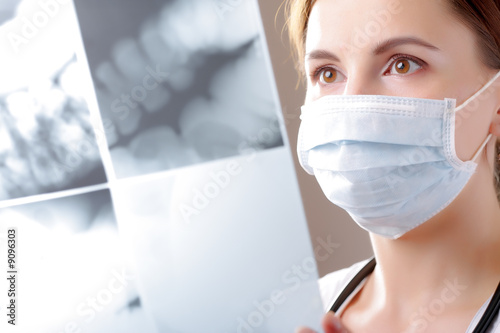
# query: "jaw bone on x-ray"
178,82
143,163
47,142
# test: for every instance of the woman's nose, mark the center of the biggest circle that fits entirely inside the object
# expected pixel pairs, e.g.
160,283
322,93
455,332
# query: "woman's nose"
356,86
361,83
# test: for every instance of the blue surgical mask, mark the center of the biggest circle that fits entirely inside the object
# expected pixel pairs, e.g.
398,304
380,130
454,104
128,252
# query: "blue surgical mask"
390,162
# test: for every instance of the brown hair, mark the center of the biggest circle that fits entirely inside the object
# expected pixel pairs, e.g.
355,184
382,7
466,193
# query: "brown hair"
481,16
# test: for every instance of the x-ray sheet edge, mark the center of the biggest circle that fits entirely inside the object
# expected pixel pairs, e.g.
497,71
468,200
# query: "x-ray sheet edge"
270,71
93,104
51,196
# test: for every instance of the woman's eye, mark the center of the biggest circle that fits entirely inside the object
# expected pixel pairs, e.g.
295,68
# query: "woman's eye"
403,66
330,75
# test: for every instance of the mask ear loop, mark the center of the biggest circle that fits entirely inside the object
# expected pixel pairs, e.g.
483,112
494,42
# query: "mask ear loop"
482,147
470,99
479,92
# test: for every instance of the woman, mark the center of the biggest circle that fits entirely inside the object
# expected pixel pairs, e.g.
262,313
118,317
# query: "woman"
419,170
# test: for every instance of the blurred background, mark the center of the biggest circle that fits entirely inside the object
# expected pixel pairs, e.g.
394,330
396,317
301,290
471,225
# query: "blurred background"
325,220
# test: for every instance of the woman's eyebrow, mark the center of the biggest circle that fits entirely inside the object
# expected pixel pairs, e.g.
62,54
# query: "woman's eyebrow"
321,54
394,42
380,48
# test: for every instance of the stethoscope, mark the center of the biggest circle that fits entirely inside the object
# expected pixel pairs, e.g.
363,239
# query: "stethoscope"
482,326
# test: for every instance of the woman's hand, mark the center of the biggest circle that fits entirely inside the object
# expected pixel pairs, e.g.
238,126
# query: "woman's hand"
330,324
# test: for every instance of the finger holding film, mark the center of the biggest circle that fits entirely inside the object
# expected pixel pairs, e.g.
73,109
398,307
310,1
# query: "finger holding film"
304,330
330,324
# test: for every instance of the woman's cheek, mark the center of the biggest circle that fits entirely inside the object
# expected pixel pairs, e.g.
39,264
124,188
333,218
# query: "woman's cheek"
472,127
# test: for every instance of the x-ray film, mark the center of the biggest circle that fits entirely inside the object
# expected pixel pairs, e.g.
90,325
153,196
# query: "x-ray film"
73,271
178,82
47,141
146,180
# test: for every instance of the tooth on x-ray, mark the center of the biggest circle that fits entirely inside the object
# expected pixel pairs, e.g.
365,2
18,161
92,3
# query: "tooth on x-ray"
184,69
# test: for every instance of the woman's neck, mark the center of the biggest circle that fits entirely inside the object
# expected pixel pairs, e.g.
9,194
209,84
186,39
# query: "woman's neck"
458,248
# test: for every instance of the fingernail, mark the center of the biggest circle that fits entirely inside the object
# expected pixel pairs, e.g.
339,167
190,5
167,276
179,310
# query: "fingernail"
304,329
338,325
335,321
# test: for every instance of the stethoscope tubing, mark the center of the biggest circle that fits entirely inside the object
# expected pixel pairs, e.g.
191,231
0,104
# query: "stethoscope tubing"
482,326
490,313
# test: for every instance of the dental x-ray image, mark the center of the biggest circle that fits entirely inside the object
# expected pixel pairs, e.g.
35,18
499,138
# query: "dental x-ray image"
106,240
47,142
73,269
178,82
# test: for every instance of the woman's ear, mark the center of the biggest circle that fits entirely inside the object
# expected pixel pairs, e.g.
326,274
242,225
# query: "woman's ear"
495,124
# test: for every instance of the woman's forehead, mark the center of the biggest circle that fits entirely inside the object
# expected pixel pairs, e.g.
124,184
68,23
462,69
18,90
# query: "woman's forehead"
362,24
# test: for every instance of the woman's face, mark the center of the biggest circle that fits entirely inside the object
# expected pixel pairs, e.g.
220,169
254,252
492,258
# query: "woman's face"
409,48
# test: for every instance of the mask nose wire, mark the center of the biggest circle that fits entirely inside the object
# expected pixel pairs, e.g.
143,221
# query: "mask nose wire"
479,92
